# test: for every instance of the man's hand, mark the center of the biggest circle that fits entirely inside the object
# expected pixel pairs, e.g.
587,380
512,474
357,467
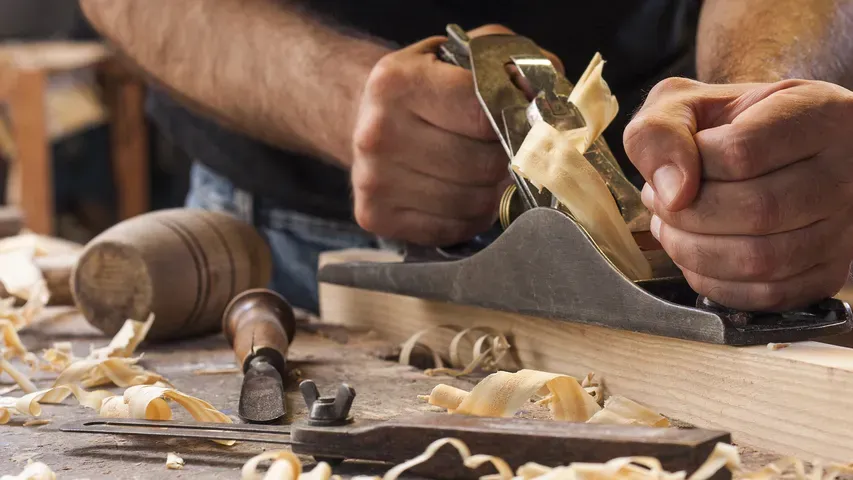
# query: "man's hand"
427,165
750,186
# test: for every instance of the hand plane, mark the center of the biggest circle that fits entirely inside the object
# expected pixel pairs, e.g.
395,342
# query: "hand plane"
332,435
540,261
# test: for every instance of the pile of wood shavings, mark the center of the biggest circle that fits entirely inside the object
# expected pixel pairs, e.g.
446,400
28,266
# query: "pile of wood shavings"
502,394
146,392
488,349
286,466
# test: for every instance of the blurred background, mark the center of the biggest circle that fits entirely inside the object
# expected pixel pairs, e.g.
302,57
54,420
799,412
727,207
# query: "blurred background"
77,153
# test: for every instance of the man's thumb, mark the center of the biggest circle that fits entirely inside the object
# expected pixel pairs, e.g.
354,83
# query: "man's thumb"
660,144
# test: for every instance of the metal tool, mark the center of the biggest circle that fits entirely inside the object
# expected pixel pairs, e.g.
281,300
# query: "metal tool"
331,434
259,324
544,263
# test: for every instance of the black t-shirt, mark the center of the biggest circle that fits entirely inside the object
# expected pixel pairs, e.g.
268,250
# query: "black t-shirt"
643,41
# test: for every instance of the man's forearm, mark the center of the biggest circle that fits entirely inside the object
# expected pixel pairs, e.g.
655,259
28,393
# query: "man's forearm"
264,67
770,40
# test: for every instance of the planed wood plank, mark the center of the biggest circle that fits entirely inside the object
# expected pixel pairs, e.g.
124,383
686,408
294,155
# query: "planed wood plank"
793,401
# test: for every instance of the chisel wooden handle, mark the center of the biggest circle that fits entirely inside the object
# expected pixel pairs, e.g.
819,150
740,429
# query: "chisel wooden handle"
259,322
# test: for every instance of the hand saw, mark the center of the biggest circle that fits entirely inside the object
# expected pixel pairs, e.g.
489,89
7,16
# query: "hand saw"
543,263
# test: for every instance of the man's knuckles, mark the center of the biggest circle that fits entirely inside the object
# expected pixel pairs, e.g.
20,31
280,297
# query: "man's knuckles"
671,86
390,78
730,154
760,212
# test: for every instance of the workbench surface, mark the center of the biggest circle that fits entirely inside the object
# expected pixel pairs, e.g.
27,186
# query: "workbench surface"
329,356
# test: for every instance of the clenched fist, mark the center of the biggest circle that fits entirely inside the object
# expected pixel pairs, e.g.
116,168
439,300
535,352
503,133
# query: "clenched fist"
427,165
751,186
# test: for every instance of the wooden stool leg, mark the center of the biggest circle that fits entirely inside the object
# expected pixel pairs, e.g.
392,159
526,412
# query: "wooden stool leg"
129,139
32,171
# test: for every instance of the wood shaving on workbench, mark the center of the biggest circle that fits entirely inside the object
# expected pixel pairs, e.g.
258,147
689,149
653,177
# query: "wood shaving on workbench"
112,364
174,462
38,296
30,404
148,402
488,350
33,471
20,275
502,394
554,159
286,466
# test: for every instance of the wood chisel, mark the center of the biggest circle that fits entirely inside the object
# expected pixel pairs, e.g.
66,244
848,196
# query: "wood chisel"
330,434
259,325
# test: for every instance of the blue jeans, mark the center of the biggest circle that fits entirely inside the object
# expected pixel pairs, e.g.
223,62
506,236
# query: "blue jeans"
296,239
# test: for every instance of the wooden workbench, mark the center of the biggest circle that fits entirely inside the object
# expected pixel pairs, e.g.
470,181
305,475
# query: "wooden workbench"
384,389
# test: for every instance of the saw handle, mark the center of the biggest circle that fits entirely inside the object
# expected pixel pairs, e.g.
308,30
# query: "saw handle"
259,322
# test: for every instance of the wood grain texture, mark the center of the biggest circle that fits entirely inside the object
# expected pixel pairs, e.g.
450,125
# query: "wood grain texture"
793,401
184,265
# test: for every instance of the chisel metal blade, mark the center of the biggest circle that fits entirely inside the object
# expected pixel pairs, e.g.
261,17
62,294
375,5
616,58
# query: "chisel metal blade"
262,398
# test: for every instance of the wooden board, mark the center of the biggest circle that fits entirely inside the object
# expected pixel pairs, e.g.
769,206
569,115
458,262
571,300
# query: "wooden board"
793,401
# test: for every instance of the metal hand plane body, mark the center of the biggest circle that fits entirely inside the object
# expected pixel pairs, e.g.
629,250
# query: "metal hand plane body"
543,263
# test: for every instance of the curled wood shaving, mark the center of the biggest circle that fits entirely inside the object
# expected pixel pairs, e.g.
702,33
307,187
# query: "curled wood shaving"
30,404
18,273
593,98
470,461
20,379
149,402
620,410
113,364
12,347
593,387
174,462
554,159
123,372
550,159
33,471
487,350
501,394
21,317
58,357
409,345
285,466
777,346
124,343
